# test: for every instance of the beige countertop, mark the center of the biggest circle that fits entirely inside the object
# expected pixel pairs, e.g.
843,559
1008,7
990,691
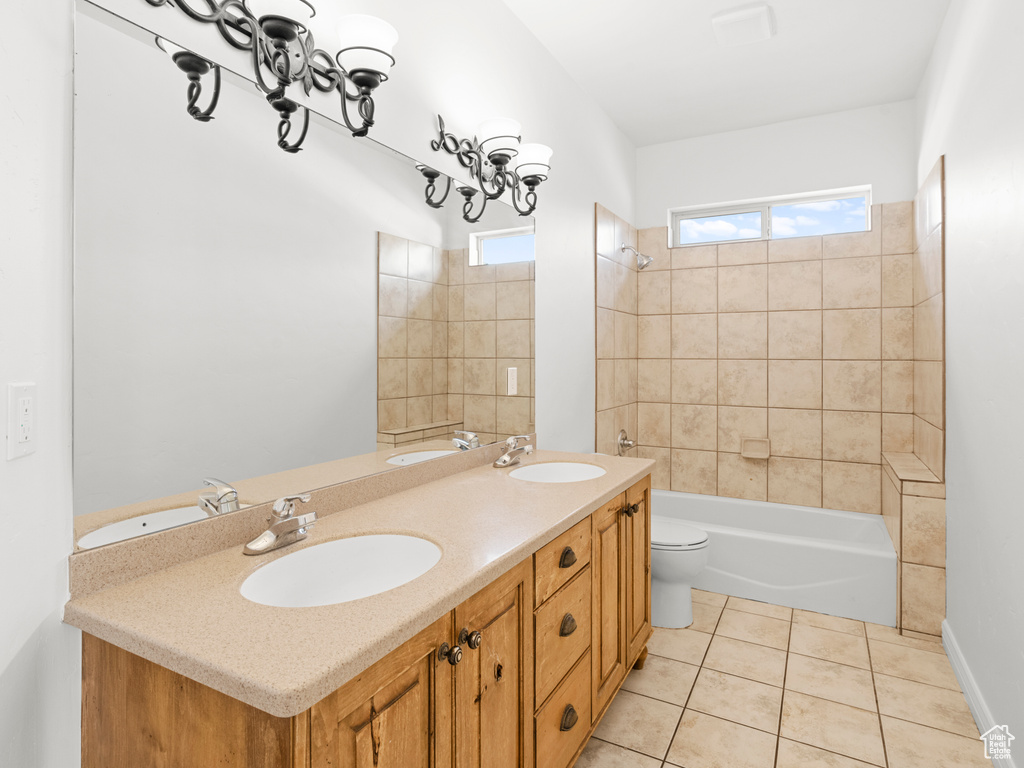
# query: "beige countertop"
192,619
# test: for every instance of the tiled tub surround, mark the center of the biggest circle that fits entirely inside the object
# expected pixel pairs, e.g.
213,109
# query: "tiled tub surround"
913,492
490,329
190,617
754,685
805,341
447,334
617,369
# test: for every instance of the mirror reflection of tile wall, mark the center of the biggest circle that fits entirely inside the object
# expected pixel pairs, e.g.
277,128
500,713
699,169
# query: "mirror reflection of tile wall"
447,335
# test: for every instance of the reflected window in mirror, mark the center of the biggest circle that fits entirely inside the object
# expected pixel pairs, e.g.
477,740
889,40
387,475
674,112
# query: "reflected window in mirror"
501,246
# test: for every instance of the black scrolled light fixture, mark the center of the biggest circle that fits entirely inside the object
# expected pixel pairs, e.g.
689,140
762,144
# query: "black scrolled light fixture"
277,35
497,160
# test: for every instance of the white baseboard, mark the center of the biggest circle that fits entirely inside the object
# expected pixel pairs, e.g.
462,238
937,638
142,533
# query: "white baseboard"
975,701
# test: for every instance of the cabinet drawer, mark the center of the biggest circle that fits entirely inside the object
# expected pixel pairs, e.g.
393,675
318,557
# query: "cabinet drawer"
555,746
561,559
562,633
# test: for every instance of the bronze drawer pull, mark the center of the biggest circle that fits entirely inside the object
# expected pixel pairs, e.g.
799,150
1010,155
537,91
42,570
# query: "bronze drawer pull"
471,639
568,626
631,509
452,654
569,718
568,558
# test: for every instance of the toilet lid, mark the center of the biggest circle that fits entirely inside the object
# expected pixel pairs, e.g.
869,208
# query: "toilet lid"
667,533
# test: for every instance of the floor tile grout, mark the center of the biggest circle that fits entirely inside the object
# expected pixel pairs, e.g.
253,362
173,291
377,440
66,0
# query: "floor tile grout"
784,688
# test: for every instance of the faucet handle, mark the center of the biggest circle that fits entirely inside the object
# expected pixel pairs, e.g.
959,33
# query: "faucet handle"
224,490
285,506
513,442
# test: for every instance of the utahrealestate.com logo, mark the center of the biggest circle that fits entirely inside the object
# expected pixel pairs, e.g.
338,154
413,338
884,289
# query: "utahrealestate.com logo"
997,742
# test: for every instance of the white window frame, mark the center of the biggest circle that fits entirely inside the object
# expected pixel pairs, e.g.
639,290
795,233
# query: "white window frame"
476,238
762,206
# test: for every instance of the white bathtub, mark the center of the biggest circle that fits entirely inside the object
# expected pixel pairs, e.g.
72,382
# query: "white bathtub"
839,563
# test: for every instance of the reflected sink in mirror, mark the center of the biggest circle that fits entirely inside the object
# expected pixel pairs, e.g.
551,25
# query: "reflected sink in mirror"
405,459
340,571
557,472
140,526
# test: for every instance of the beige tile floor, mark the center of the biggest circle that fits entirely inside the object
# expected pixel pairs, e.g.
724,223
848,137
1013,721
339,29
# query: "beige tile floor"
752,685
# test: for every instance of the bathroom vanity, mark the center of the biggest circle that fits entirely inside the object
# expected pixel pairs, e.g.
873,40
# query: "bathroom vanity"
507,653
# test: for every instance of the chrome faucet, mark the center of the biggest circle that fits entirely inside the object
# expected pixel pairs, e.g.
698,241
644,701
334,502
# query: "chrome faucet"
285,526
465,440
223,498
511,453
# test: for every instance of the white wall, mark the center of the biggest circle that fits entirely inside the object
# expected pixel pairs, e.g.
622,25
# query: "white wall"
39,677
971,112
873,145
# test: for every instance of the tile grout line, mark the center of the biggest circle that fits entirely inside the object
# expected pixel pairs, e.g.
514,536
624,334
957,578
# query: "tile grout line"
782,703
700,668
874,689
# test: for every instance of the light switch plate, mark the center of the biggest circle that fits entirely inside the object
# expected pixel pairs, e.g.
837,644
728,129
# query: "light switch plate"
21,418
513,381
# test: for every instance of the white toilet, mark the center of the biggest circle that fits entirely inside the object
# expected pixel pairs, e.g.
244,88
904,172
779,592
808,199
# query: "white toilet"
679,552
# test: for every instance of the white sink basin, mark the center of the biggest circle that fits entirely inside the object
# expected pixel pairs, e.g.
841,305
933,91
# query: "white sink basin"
341,570
557,472
140,526
404,459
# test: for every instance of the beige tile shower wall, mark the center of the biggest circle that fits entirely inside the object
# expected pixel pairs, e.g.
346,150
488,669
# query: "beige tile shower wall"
617,335
412,339
807,341
490,329
929,325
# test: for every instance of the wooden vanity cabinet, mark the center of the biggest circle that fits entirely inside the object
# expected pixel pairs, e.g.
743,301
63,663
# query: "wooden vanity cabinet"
622,590
529,694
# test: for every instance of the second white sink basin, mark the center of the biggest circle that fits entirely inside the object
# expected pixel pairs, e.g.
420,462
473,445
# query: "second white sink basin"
341,570
405,459
140,526
557,472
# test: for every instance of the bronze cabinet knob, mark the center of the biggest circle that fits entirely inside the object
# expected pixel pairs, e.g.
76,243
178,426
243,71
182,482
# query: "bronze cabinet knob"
472,639
568,626
452,653
569,718
568,558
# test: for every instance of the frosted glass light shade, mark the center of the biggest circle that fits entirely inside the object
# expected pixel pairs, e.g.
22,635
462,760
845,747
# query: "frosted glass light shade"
367,44
499,136
533,160
298,11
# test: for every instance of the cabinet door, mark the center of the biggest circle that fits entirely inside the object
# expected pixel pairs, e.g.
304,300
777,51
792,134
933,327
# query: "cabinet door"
608,615
638,570
494,683
396,714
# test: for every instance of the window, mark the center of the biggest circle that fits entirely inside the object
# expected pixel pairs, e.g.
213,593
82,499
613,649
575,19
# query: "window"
502,246
823,213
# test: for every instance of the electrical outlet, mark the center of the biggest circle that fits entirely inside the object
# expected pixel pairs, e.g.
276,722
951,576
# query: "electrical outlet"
513,381
21,420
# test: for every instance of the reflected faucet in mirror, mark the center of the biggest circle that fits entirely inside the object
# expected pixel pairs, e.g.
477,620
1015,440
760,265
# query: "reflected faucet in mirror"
465,440
223,498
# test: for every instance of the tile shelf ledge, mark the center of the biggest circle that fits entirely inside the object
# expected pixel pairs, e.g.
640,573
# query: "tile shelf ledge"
909,468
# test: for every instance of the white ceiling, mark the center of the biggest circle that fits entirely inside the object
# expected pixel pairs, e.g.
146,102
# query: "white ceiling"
657,70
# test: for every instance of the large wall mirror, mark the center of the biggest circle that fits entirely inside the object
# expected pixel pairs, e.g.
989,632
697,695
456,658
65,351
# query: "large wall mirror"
226,292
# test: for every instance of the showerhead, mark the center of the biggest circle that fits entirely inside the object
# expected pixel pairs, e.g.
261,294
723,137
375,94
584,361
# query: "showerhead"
642,262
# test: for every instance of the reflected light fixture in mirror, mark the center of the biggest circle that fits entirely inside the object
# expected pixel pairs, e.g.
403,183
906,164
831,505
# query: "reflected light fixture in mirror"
194,67
496,161
276,34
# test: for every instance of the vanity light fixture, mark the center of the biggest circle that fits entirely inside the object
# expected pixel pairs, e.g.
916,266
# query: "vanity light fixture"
276,34
496,161
194,67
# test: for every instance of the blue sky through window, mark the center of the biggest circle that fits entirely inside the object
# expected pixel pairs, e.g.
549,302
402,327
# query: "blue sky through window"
825,217
505,250
714,229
